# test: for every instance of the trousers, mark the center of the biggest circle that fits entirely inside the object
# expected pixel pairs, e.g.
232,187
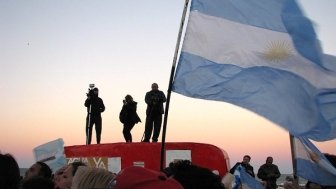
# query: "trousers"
127,131
94,120
152,123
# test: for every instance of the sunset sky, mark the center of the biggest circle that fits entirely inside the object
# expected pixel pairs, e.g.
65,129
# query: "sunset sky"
50,51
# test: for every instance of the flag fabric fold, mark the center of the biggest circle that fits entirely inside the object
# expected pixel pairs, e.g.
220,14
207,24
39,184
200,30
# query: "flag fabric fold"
243,178
312,164
51,153
261,55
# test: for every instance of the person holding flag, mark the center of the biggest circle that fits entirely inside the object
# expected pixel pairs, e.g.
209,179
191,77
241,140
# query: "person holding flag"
246,164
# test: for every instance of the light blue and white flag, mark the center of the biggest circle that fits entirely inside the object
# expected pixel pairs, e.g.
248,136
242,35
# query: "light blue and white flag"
243,178
312,164
262,55
51,153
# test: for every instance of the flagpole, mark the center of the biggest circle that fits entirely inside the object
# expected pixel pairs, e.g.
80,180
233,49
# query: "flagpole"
171,83
292,143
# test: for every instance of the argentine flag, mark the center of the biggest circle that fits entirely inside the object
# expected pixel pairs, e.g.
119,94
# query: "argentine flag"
312,164
244,179
51,153
262,55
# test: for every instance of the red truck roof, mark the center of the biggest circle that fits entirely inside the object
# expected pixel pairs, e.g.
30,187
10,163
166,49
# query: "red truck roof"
116,156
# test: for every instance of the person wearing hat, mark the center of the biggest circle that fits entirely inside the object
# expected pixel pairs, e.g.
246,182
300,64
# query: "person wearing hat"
136,177
95,106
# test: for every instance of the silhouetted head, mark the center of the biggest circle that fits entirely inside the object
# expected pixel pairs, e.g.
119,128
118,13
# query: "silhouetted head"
246,159
95,91
192,176
269,160
128,98
155,87
9,172
38,169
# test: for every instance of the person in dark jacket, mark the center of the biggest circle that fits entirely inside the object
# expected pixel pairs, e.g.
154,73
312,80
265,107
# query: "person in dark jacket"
154,100
269,173
95,106
129,117
246,164
192,176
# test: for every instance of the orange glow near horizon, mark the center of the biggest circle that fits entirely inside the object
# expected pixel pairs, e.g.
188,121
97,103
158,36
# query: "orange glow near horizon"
237,136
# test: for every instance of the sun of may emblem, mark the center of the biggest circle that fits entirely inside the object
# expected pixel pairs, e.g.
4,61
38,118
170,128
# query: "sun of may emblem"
277,51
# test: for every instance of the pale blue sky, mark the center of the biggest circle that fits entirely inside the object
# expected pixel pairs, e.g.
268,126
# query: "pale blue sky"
50,50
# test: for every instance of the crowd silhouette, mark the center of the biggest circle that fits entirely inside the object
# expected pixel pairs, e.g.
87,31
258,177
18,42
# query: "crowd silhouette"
180,174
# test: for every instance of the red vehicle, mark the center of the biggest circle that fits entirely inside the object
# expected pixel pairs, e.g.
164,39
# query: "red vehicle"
116,156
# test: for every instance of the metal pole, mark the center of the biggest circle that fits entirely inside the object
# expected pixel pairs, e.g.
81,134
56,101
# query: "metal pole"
171,83
88,125
89,96
293,152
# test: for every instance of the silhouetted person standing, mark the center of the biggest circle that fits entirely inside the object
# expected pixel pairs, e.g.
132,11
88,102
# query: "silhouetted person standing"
269,173
95,107
154,100
129,117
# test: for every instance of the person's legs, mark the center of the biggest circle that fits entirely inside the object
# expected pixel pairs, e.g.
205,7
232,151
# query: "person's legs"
127,132
130,134
148,129
98,127
157,127
88,130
